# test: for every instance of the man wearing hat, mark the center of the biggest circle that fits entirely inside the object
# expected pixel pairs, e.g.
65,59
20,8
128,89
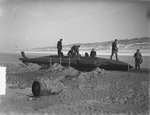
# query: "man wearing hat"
114,49
138,59
59,47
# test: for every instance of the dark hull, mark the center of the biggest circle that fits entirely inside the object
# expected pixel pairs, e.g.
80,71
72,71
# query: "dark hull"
82,64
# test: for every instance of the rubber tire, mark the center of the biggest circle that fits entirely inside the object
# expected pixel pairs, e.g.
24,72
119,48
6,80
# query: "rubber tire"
36,88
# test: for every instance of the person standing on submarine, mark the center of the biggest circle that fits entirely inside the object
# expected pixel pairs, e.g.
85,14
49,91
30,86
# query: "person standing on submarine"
59,47
114,50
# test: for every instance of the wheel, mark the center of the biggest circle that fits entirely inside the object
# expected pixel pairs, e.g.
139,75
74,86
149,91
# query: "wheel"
36,88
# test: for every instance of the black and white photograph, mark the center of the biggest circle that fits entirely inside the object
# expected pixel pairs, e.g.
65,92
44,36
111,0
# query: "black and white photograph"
74,57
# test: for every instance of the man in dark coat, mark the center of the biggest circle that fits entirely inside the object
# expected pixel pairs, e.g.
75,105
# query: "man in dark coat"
75,49
114,49
93,53
70,53
59,47
138,59
86,54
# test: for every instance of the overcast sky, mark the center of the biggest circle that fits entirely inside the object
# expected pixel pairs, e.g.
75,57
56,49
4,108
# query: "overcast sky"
41,23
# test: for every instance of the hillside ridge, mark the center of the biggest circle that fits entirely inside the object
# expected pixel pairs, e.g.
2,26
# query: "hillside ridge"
124,44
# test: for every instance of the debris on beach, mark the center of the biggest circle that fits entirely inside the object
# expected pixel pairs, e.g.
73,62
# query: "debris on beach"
74,86
45,86
56,67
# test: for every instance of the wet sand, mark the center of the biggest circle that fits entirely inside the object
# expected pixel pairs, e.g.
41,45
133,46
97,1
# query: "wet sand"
83,93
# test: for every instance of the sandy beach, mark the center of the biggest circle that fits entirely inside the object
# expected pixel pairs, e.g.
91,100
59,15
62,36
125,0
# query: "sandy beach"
86,51
83,93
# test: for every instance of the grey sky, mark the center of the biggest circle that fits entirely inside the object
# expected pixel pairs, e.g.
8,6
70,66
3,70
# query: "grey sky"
29,24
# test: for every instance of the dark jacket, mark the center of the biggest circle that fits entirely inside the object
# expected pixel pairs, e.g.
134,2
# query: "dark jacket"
114,46
70,53
93,54
75,48
59,45
138,56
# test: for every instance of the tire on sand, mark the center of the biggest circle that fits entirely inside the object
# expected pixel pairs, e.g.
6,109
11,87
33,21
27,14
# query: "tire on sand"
40,88
36,88
46,87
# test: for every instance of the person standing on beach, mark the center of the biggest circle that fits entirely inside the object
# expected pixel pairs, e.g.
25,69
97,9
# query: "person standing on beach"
59,47
138,59
114,50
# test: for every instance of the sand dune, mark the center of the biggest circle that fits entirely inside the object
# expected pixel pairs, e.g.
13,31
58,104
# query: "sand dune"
83,93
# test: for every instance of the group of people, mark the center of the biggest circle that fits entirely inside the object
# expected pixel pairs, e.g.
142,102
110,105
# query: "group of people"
92,54
137,55
74,52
